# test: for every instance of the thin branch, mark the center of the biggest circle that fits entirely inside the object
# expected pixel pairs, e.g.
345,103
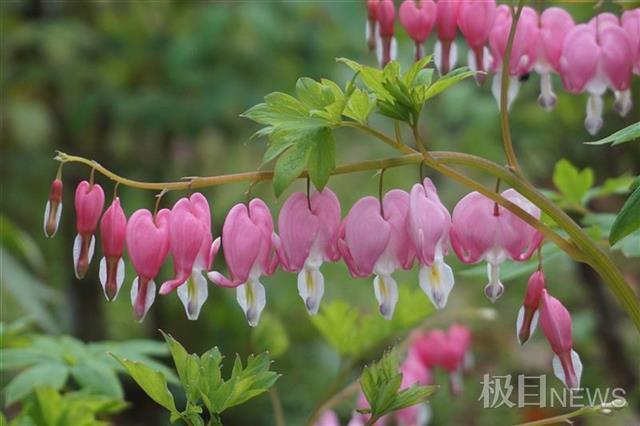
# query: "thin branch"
278,413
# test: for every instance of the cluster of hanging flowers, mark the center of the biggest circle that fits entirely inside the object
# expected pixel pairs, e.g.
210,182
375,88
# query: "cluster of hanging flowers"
375,238
591,57
448,350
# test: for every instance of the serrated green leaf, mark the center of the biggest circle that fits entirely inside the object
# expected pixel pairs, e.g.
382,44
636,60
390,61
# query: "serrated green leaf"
627,134
152,382
49,374
290,165
322,159
371,77
628,219
313,94
188,367
444,83
360,105
409,78
412,396
573,184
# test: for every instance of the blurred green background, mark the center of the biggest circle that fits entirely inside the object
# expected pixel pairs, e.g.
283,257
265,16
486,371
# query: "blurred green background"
153,91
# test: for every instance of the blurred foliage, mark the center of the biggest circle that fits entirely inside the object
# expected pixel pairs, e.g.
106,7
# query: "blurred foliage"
154,93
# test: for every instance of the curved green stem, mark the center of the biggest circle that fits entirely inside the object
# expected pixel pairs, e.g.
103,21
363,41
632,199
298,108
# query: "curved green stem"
512,160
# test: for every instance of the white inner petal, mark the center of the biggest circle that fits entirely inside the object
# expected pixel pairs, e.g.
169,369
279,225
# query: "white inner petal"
252,299
547,99
386,290
102,275
149,297
623,102
311,288
519,321
494,289
437,281
593,122
193,294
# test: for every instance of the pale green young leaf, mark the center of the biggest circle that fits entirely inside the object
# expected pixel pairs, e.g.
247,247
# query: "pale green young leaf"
314,94
152,382
573,184
360,105
444,83
270,335
278,108
409,77
187,365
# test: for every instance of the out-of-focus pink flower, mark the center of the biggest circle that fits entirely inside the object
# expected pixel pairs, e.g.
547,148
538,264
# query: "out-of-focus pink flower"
386,45
372,23
53,209
418,18
604,19
528,313
375,241
484,230
328,418
113,231
445,53
462,335
555,24
89,202
308,237
555,321
595,57
630,21
523,53
413,373
429,347
429,224
147,245
475,20
192,250
247,242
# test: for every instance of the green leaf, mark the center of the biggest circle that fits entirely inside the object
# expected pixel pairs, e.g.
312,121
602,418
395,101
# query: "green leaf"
322,159
49,374
188,366
337,322
97,378
18,358
573,184
628,219
412,396
313,94
627,134
291,164
210,376
278,108
270,335
152,382
444,83
360,105
412,73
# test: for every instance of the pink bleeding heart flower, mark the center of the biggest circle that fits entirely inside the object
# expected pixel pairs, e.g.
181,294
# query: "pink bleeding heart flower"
445,53
604,19
113,231
372,23
192,250
328,418
462,335
594,58
413,373
523,53
501,236
429,223
386,45
630,21
475,20
429,347
375,241
555,24
247,242
89,202
308,237
528,314
418,18
147,245
555,321
53,209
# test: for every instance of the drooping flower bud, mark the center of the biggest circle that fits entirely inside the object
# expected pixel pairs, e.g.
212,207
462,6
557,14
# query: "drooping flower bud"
147,245
555,24
528,313
524,50
190,243
502,235
53,209
113,230
308,233
418,18
386,46
445,53
372,241
429,223
247,242
371,30
89,201
475,20
555,321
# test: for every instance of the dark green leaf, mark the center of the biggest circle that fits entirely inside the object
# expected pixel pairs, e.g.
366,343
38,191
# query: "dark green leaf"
628,219
322,159
627,134
290,165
